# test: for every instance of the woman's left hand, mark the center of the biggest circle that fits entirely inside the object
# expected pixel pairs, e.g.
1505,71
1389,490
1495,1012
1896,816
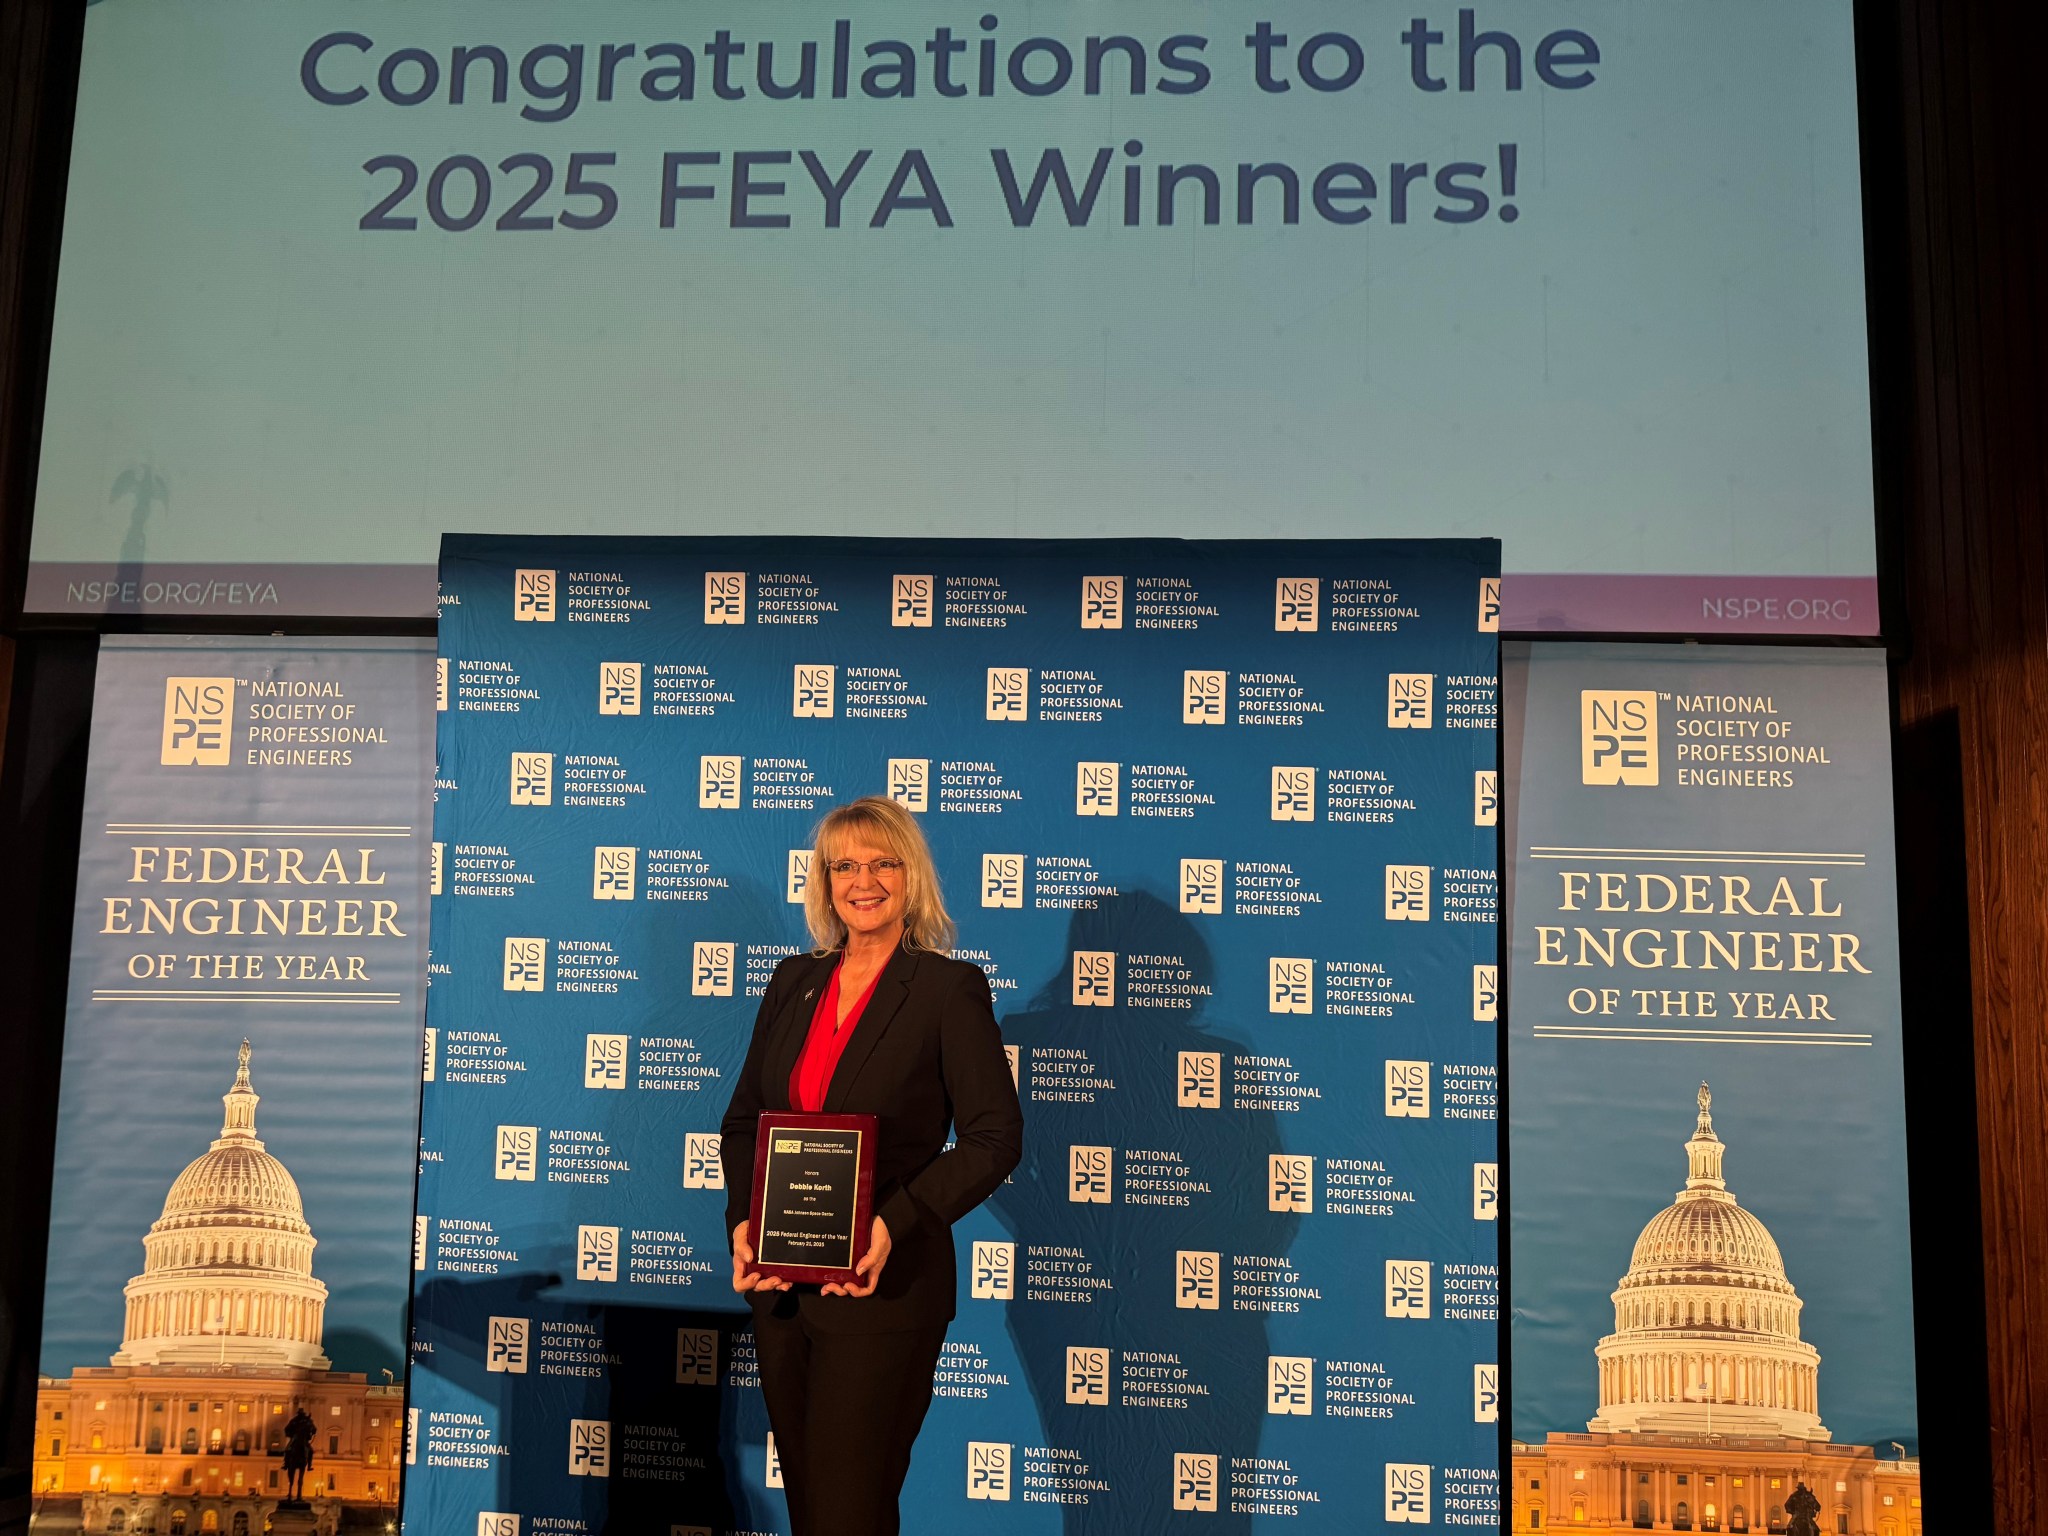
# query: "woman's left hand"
870,1266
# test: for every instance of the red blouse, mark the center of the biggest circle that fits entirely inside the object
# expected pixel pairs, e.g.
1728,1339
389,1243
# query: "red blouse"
824,1045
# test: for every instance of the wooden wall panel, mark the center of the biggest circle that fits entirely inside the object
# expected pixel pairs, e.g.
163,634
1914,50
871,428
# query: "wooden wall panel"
1972,515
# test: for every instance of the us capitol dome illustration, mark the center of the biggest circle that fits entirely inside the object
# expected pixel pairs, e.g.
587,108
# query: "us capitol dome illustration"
182,1431
1706,1323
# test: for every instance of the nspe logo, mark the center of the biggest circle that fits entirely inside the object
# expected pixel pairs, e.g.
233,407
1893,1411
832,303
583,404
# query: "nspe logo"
1094,978
1485,994
1408,1090
1002,880
1014,1054
196,728
771,1464
1486,1191
910,602
1485,798
1290,1384
1102,602
1194,1482
1486,1394
1489,605
597,1254
526,965
1201,886
1408,1288
1290,1182
437,859
1201,697
1407,893
812,698
696,1357
618,688
533,778
1617,737
590,1448
703,1164
1009,692
725,597
799,875
506,1345
518,1152
711,968
1408,700
1290,984
988,1470
1296,600
1087,1376
422,1231
611,875
533,597
718,783
1200,1080
491,1522
1407,1493
430,1043
604,1061
1197,1281
440,683
1095,786
1088,1175
1294,794
993,1273
910,782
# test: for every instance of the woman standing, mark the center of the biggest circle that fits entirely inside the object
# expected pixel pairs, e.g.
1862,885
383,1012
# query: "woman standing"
877,1020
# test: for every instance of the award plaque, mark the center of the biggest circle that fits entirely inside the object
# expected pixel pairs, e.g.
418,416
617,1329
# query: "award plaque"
814,1192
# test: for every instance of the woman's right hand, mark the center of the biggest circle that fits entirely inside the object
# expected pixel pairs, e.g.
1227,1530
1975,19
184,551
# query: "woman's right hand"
744,1276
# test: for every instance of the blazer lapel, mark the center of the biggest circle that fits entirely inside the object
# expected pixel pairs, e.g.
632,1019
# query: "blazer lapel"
791,1029
882,1007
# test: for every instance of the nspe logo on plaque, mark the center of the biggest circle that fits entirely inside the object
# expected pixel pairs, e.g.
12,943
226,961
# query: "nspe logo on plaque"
1197,1280
604,1061
1407,893
1617,737
437,862
533,596
1002,880
1201,697
196,722
711,968
1290,1182
718,782
1088,1175
1087,1376
1201,886
533,778
1485,994
526,964
590,1448
491,1522
1294,794
1407,1090
597,1254
1200,1079
1486,1394
703,1165
992,1275
696,1357
506,1348
1485,798
618,688
1102,602
1409,695
1489,605
422,1235
1407,1493
1290,984
518,1152
988,1470
1408,1288
910,602
812,694
1290,1384
799,875
725,597
1094,978
1296,603
1009,693
1095,788
910,782
611,877
440,684
1194,1482
1486,1191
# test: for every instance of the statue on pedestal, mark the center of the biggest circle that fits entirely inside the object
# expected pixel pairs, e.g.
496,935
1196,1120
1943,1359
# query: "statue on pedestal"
298,1454
1803,1512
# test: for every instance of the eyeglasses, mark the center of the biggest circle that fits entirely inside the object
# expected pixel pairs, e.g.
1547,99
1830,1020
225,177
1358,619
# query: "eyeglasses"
882,869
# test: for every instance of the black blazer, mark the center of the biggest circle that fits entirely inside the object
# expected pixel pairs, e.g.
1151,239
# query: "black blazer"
927,1055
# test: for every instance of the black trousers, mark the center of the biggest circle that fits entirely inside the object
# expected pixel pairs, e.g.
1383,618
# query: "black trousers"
845,1408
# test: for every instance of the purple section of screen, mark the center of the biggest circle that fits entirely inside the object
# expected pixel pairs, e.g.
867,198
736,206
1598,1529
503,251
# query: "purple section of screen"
1531,604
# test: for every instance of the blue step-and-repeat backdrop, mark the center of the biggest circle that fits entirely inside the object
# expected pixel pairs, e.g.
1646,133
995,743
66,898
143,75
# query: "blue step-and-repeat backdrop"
1219,821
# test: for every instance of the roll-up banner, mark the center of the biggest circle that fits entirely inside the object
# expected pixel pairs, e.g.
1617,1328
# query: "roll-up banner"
1712,1285
1217,819
224,1319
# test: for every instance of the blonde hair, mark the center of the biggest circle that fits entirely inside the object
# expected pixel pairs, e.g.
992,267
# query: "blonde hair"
882,823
